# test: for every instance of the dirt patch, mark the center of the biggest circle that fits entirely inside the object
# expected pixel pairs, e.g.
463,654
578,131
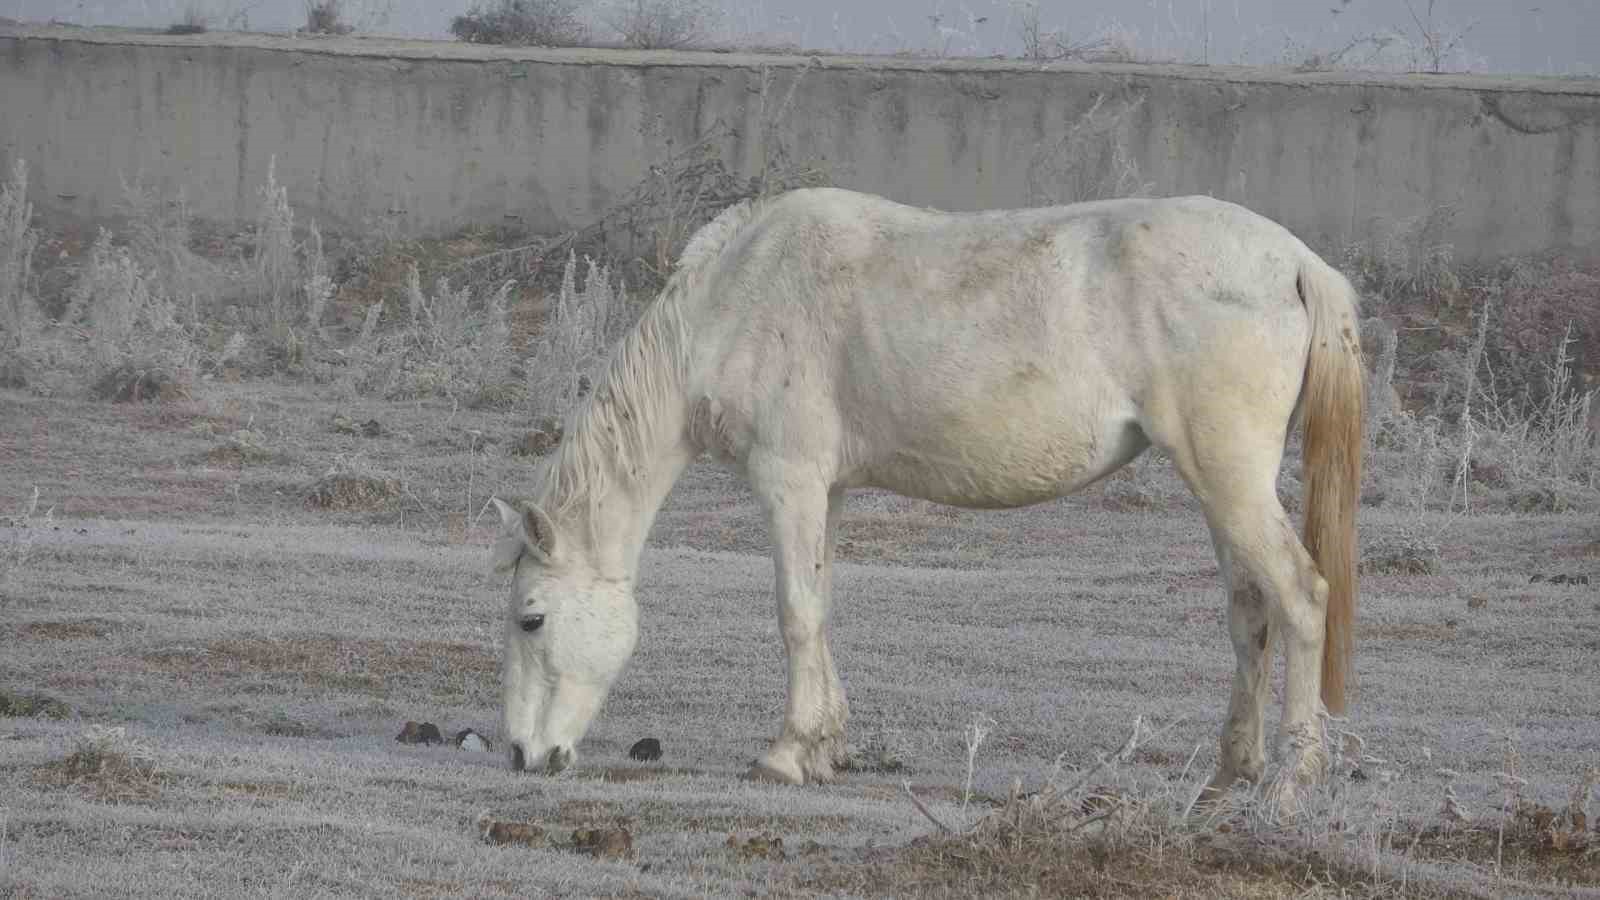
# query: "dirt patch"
1447,630
67,630
320,661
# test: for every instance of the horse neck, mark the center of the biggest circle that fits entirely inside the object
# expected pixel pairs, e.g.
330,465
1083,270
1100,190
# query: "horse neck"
618,524
621,457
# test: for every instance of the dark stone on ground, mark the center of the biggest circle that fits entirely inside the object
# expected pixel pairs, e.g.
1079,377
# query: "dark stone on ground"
420,733
646,750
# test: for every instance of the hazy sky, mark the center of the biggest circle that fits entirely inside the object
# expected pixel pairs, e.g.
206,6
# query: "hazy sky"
1542,36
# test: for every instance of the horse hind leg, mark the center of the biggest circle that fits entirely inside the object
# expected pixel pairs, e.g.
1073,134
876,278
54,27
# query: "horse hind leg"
1274,587
1274,590
1243,750
838,707
802,516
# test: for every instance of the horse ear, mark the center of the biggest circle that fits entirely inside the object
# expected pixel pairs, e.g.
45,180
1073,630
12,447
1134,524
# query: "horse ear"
523,527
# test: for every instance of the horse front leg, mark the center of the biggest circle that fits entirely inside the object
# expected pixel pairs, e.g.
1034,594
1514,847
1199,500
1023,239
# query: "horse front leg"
802,516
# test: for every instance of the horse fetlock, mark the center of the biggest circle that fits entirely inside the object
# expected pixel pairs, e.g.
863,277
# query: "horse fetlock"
802,760
1243,757
1306,765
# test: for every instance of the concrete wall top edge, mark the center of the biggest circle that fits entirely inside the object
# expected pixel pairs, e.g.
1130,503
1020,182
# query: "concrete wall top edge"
454,51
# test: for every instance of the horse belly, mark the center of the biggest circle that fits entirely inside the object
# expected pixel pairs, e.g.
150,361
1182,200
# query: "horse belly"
1002,459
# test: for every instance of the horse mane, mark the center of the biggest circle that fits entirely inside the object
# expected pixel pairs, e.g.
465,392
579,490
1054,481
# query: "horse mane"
612,432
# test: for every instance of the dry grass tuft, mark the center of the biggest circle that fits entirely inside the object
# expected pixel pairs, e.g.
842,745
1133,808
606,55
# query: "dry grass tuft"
1410,549
18,546
605,842
354,484
109,765
325,17
1091,159
968,867
19,705
243,447
19,314
756,846
542,439
132,383
884,750
527,834
1531,842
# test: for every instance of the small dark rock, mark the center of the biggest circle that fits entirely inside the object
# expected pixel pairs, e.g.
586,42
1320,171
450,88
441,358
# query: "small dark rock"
371,428
646,750
1558,579
1357,775
1535,578
420,733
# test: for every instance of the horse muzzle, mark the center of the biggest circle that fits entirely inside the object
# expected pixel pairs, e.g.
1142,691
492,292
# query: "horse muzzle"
555,761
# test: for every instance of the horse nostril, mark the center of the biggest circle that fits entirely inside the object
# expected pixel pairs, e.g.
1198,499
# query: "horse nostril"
518,762
559,759
532,623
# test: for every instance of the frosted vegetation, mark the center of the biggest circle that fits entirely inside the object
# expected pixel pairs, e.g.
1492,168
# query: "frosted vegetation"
242,546
1399,36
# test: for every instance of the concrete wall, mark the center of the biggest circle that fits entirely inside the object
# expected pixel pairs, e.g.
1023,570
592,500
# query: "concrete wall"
438,135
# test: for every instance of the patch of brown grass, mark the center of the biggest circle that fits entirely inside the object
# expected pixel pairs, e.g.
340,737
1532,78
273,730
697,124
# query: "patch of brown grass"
1406,551
321,661
66,630
1412,631
129,383
353,491
1537,844
960,866
243,447
108,766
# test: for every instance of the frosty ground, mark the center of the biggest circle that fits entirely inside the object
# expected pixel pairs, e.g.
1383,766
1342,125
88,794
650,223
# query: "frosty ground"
260,653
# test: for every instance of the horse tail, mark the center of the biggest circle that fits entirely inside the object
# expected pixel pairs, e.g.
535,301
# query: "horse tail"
1332,401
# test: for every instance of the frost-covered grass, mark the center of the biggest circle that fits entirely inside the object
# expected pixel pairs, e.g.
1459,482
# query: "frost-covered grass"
260,654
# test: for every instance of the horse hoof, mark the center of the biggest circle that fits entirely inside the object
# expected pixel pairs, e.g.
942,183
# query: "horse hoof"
764,770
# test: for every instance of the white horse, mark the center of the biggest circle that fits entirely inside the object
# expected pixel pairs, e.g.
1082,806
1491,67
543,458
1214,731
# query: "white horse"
825,340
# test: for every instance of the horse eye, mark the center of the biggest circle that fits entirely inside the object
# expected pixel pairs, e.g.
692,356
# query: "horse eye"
532,623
